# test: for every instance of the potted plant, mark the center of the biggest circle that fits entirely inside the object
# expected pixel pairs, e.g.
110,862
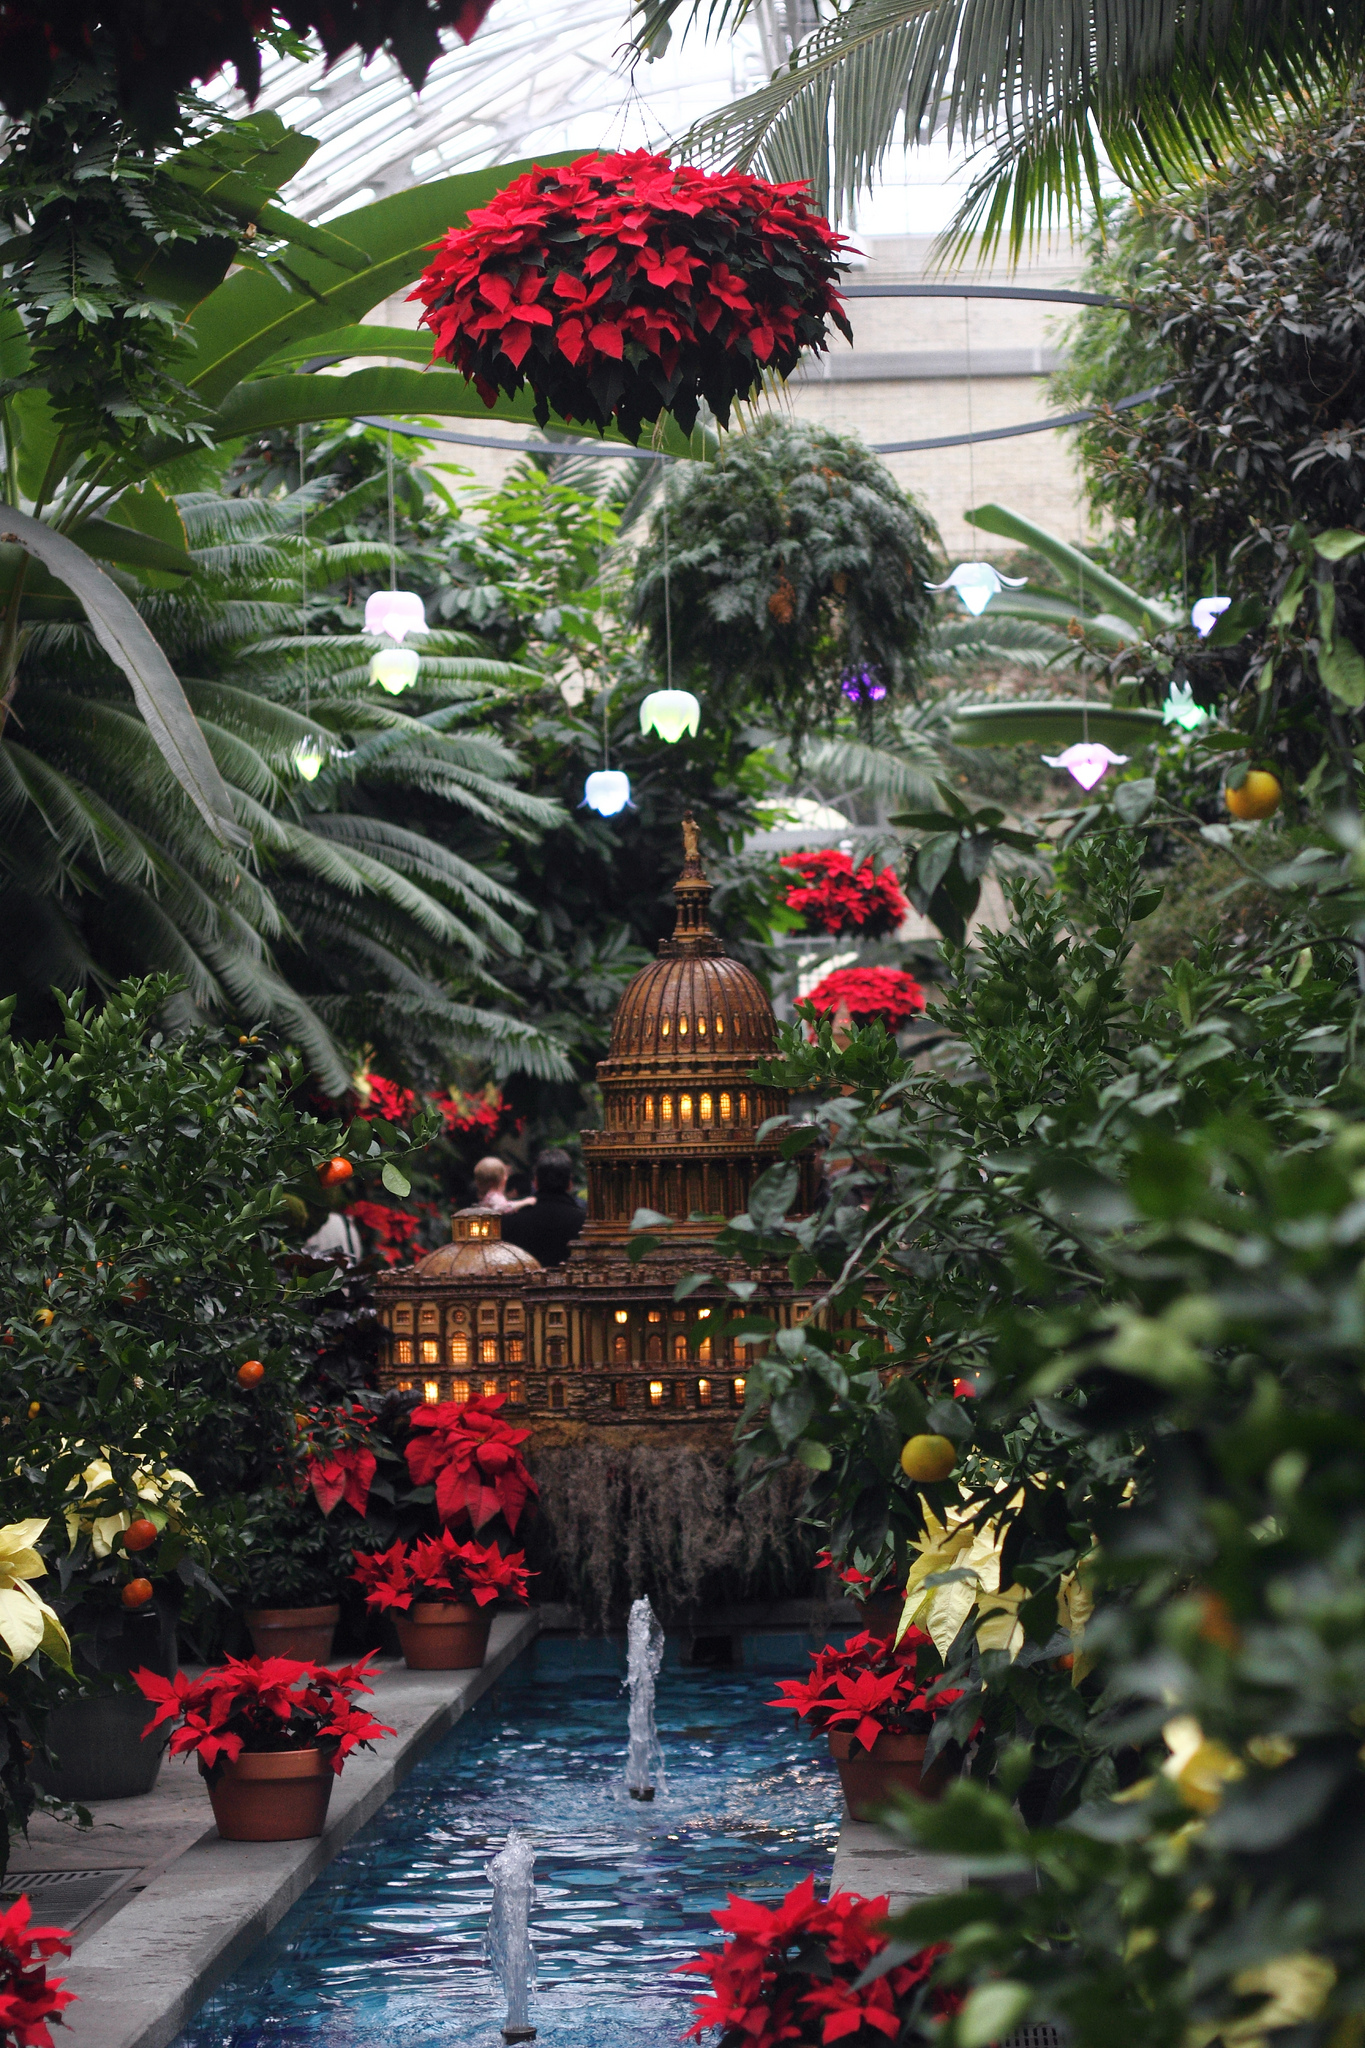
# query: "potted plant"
270,1733
619,287
471,1460
132,1551
792,1974
877,1593
832,897
877,1708
28,2000
441,1596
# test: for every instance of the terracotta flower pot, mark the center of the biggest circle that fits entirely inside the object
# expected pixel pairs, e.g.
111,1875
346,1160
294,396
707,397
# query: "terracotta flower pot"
880,1613
278,1795
444,1635
304,1633
894,1762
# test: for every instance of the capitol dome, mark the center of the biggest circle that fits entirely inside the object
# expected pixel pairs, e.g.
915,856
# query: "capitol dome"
477,1250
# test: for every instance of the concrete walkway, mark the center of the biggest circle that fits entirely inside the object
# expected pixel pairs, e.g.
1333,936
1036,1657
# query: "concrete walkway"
871,1861
182,1907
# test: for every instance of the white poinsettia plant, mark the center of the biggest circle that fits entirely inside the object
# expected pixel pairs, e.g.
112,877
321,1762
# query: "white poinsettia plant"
98,1511
27,1623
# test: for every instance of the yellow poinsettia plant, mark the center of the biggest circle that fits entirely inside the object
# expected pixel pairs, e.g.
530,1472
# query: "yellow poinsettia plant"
27,1623
160,1490
957,1570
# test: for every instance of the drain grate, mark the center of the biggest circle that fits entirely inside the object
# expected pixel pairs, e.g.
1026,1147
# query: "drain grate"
63,1898
1037,2034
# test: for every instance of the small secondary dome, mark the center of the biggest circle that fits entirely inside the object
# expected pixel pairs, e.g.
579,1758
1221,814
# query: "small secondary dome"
476,1248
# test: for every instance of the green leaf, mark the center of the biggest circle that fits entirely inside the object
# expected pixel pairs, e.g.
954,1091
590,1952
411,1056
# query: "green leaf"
1343,672
394,1180
1091,580
814,1456
1241,617
112,541
408,344
1054,722
990,2012
691,1285
1339,545
155,686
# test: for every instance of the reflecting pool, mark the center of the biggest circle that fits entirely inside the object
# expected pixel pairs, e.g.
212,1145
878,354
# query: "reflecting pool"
386,1949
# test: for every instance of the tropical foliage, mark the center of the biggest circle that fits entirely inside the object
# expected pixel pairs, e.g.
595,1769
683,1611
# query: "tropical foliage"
1045,100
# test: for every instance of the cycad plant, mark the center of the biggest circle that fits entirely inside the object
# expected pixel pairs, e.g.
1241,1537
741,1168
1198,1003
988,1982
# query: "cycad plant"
347,920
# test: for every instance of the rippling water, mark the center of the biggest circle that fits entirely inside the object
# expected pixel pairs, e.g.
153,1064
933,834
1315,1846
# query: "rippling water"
385,1950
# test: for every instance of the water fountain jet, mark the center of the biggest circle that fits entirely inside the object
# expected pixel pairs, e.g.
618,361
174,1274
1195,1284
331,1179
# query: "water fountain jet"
508,1944
644,1656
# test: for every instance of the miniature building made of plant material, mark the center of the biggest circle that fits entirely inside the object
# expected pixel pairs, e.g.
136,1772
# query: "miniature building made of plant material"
599,1342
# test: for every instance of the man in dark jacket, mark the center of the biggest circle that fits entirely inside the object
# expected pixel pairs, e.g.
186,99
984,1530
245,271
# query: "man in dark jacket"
548,1226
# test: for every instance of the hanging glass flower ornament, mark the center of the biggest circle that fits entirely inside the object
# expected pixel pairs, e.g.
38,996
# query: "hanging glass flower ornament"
670,713
607,790
395,612
976,583
1205,613
620,287
308,759
1180,709
860,686
394,669
1086,761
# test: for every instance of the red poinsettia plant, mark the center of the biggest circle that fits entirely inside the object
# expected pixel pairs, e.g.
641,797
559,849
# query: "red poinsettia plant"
261,1704
28,1998
882,1579
872,1686
472,1459
335,1455
834,897
868,992
789,1974
439,1568
620,287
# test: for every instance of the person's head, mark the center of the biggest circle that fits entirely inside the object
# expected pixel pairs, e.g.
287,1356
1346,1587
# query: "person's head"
554,1172
489,1175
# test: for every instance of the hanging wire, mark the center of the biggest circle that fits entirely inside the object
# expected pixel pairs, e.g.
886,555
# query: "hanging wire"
971,444
303,556
393,559
668,604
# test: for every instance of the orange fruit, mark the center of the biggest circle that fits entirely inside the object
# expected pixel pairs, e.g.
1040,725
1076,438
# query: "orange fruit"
140,1535
251,1373
1258,797
927,1458
136,1593
34,1408
333,1170
1216,1624
47,1317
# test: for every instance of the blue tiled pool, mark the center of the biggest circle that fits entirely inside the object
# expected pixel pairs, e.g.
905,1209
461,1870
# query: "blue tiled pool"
385,1950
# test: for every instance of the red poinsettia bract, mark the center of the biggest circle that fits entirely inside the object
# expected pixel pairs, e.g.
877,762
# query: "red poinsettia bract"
789,1973
439,1568
872,1686
28,2000
620,287
832,897
473,1459
867,992
262,1704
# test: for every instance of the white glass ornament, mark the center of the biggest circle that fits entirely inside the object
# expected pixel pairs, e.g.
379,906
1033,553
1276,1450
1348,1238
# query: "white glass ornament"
394,669
1204,614
976,583
1088,763
308,759
1180,709
607,790
395,612
670,713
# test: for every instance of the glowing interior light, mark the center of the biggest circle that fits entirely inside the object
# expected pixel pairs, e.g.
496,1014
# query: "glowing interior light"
670,713
394,669
1086,763
395,612
1180,709
607,791
976,583
308,759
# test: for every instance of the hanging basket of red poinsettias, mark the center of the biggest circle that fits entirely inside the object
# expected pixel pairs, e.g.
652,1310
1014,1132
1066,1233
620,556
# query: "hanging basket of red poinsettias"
621,287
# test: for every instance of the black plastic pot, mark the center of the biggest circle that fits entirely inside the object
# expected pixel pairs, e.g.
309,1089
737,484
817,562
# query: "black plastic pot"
98,1741
99,1749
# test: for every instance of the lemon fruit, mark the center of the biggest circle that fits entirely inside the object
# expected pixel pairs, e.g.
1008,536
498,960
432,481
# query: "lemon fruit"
927,1458
1258,797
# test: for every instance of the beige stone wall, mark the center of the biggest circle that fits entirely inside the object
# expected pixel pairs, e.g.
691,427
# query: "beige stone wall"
928,343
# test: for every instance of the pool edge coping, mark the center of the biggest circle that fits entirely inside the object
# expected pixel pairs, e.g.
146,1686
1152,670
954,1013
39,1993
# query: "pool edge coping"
141,1977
